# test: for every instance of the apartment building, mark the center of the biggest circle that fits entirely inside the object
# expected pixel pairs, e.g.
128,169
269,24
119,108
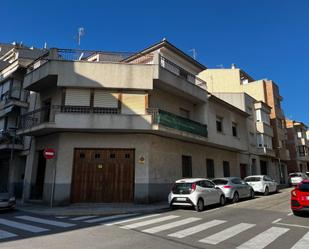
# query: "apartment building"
14,59
235,80
260,152
298,145
124,127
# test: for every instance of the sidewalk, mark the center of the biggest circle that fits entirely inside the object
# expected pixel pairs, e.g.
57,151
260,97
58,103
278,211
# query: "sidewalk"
92,208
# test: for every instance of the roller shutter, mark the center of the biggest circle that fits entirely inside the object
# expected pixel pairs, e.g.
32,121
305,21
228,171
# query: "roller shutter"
133,103
77,97
105,99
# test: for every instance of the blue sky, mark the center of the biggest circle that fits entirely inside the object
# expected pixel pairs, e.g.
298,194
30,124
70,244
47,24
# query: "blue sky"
266,38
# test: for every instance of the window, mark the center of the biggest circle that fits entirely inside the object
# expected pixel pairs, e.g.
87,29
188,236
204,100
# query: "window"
301,150
226,169
234,129
112,156
184,113
279,123
210,168
5,90
299,134
219,122
97,156
208,184
186,166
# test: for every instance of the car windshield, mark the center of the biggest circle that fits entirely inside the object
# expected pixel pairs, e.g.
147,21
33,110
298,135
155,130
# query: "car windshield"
253,179
220,181
304,187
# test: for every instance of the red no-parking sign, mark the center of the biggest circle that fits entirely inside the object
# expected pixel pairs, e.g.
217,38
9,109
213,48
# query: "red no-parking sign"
49,153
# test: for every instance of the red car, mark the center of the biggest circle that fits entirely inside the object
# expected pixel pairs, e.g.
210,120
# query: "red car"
300,197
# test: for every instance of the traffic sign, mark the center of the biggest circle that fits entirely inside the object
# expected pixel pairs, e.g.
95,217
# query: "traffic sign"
49,153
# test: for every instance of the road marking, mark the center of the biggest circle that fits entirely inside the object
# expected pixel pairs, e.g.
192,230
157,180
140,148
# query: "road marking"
277,220
291,225
22,226
149,222
133,219
83,217
61,217
108,218
5,235
45,221
170,225
290,214
264,239
302,243
226,234
196,229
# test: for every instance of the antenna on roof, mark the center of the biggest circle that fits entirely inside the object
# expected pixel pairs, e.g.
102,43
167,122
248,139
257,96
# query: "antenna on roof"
45,45
194,53
81,32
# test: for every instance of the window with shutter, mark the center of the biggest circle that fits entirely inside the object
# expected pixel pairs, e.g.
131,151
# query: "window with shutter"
77,97
105,99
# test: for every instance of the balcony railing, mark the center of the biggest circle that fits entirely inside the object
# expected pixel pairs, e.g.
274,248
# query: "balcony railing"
47,114
177,70
176,122
78,55
7,138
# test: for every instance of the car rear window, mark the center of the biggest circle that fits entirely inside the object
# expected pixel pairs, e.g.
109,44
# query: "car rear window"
182,188
295,175
220,181
253,179
304,187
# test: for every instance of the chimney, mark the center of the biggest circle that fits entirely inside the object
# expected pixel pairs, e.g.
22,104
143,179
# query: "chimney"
233,66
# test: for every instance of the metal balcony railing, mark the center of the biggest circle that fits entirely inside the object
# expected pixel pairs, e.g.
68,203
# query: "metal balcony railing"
47,114
78,55
177,70
177,122
6,137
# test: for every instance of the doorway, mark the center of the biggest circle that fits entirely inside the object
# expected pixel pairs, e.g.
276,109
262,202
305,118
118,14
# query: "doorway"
38,187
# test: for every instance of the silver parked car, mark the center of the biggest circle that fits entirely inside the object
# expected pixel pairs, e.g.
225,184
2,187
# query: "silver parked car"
234,188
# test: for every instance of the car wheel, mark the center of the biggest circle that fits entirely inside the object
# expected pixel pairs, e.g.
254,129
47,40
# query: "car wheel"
172,207
235,197
277,190
251,194
266,192
222,200
199,205
296,213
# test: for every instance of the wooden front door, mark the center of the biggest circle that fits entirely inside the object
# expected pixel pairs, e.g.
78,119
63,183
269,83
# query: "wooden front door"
103,175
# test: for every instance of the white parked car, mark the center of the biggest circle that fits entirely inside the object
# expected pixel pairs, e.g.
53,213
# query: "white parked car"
195,192
262,184
296,178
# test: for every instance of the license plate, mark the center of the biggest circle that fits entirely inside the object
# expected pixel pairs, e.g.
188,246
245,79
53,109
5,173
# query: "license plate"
181,199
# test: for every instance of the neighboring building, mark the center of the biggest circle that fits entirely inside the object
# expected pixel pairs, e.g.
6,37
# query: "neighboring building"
235,80
125,127
260,151
14,59
298,145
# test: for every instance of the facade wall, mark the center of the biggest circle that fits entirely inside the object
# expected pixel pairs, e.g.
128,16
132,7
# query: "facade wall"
153,177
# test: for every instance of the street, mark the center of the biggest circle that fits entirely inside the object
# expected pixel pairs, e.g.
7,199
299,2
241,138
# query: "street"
265,221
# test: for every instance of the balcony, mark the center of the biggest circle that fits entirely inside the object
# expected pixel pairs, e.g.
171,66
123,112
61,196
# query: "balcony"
173,78
9,141
264,128
303,142
173,121
263,151
284,154
96,119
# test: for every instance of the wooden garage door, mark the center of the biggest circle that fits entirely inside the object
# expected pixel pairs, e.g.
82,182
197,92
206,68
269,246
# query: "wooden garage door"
103,175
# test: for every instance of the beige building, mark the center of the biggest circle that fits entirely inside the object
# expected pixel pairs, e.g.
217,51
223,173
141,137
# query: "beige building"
125,127
260,153
298,145
235,80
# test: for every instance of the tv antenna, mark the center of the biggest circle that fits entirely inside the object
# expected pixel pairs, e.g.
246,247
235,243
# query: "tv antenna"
81,32
194,53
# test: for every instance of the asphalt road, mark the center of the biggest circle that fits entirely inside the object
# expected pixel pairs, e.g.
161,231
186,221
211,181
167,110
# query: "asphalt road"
265,222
